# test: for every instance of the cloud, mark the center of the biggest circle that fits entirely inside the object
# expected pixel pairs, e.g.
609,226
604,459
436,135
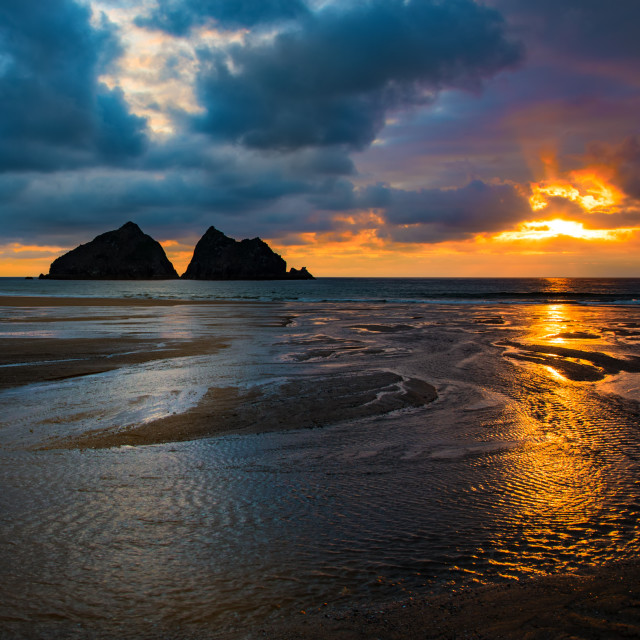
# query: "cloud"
197,152
334,79
261,193
436,215
233,190
54,112
178,17
624,161
570,89
591,29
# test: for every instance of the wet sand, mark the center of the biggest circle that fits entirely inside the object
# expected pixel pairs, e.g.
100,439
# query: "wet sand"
575,364
305,403
402,471
33,360
595,605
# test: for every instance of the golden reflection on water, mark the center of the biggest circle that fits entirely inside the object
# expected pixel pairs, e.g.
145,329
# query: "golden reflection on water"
557,285
556,484
555,373
551,322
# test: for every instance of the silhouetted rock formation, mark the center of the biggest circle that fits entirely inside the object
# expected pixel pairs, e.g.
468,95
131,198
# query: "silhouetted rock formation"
124,254
299,274
218,257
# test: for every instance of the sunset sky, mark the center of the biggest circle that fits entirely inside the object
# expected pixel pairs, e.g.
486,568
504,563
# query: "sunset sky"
382,137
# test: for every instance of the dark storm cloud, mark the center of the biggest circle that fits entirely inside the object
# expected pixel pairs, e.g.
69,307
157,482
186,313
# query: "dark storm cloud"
177,17
434,215
196,152
239,193
321,162
53,111
334,79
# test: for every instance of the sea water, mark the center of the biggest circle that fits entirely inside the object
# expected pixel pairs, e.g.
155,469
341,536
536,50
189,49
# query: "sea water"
407,290
519,467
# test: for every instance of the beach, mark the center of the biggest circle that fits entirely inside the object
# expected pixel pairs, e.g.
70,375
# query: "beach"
604,604
211,468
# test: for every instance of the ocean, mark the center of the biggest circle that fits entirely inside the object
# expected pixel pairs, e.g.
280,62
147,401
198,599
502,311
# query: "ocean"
203,468
392,290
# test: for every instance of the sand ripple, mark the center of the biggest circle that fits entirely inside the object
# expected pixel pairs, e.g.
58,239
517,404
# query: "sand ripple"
512,471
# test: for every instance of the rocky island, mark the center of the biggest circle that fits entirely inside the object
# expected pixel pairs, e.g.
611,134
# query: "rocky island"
124,254
129,254
218,257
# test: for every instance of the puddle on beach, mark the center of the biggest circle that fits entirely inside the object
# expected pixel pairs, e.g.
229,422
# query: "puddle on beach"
511,471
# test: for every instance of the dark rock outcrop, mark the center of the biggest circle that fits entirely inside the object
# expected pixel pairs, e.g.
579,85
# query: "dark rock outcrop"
218,257
299,274
124,254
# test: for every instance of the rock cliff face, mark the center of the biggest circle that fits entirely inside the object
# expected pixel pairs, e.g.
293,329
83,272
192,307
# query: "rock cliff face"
218,257
124,254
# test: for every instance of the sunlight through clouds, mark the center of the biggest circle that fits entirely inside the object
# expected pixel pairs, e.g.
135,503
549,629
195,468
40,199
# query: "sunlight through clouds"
553,228
409,129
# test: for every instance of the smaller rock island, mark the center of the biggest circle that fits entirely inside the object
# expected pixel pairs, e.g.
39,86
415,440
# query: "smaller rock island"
218,257
124,254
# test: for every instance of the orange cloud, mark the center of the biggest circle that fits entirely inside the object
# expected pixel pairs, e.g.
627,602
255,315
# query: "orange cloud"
586,188
560,249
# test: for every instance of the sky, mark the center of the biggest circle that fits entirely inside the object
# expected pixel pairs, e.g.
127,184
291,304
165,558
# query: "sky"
357,137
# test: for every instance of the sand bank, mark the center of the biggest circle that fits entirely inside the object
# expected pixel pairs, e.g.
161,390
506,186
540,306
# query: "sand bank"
602,604
300,403
31,360
575,364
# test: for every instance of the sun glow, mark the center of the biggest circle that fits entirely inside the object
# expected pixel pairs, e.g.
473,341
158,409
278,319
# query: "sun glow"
179,253
19,260
546,229
586,188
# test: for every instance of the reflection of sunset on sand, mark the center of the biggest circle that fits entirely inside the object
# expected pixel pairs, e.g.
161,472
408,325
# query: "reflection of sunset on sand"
560,484
300,456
